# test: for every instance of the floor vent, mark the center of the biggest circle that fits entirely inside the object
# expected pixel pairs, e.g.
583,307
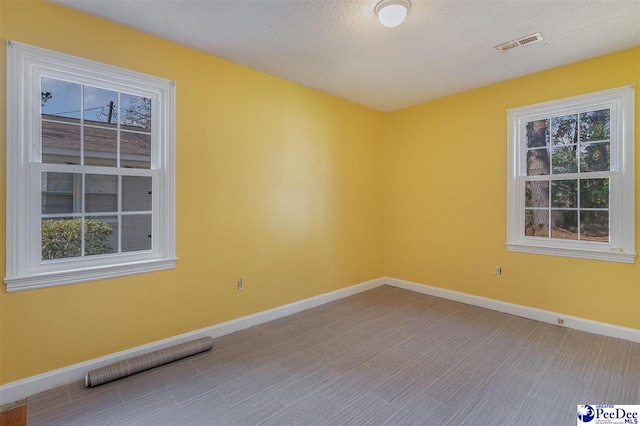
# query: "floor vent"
532,38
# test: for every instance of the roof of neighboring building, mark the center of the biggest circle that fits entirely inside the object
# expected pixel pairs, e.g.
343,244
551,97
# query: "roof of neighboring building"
64,133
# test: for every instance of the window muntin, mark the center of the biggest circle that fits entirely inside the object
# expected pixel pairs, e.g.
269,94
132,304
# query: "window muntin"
570,187
90,160
87,125
83,125
102,135
562,200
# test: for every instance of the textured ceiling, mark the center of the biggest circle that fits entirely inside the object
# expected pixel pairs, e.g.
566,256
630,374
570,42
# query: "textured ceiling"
339,47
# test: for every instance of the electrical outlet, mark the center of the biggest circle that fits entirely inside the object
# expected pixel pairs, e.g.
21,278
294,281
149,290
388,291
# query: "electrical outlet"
239,285
498,271
560,321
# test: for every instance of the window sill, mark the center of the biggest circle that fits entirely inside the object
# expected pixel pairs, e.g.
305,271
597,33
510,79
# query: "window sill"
31,282
610,256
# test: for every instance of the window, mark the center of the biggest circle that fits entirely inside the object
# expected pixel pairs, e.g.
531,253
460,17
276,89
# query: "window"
90,170
571,179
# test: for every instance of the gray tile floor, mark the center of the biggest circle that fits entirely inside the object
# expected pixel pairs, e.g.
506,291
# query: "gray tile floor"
383,357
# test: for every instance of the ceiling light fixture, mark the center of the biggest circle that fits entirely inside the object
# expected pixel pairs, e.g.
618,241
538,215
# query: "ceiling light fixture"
391,13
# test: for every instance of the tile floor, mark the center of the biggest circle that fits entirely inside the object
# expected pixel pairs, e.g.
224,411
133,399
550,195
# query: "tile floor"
383,357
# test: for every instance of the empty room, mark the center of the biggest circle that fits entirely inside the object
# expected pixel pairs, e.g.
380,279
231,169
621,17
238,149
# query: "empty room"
319,212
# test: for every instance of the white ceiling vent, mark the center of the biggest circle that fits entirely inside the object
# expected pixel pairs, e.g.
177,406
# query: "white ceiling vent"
532,38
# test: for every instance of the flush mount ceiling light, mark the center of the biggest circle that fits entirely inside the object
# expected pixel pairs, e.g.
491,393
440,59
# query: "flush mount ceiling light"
391,13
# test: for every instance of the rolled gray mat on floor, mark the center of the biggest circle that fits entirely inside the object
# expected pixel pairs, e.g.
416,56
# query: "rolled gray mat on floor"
144,362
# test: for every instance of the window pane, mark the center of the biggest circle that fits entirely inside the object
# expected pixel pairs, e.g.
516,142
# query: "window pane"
100,235
595,126
537,133
100,147
564,159
536,223
58,182
57,203
61,238
564,224
135,150
136,232
564,130
537,194
594,193
59,99
101,193
594,226
136,193
135,111
60,143
538,162
100,106
594,157
60,193
564,193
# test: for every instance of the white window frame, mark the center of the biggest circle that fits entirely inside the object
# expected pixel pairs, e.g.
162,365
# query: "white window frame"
25,270
621,246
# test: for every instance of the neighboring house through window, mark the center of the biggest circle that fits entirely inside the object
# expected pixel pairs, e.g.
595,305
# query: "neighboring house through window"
571,177
90,170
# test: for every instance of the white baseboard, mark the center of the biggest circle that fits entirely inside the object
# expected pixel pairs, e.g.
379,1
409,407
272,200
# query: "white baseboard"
520,310
26,387
30,386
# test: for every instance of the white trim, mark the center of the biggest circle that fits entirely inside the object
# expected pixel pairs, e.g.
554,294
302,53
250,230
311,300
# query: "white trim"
24,268
621,248
23,388
569,252
32,282
520,310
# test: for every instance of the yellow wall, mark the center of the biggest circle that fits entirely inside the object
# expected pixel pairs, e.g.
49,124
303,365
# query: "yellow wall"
445,202
276,183
300,194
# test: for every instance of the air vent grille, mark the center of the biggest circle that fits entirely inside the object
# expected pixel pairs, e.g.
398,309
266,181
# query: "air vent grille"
532,38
